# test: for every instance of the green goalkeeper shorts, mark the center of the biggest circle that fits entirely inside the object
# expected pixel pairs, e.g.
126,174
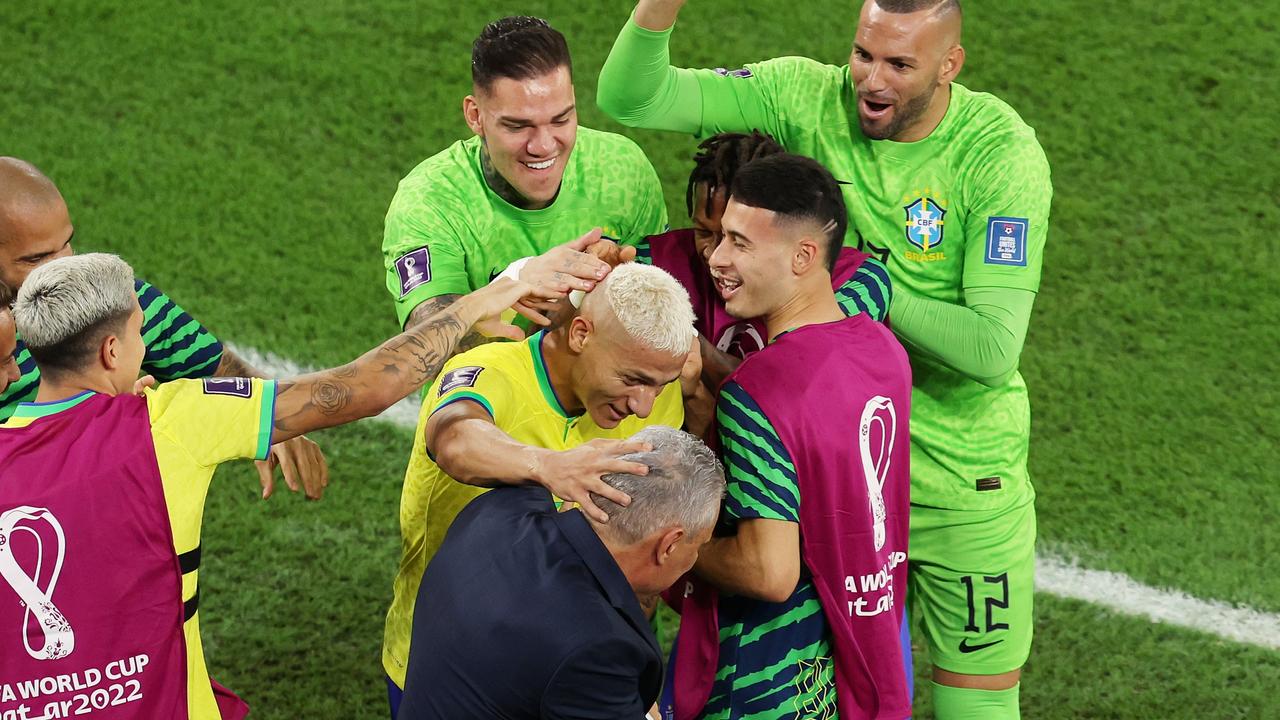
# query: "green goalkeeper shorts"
971,578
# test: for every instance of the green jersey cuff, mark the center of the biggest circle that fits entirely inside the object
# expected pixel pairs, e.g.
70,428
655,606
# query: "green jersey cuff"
267,420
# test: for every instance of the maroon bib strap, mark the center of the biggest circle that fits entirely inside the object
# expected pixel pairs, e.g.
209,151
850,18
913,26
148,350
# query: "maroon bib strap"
90,589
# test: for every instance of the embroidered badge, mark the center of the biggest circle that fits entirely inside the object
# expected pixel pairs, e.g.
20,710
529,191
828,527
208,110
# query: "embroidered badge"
1007,241
925,225
459,378
414,269
230,386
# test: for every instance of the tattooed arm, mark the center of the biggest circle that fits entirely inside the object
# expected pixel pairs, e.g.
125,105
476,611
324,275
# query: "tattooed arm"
393,370
232,365
433,306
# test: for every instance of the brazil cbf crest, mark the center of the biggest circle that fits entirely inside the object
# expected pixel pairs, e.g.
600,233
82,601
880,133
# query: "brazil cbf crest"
925,225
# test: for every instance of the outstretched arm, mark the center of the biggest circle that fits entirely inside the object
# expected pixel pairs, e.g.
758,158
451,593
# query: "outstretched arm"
471,449
640,88
398,367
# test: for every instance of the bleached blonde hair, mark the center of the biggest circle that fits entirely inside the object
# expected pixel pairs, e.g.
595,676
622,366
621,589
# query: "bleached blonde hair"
651,305
63,301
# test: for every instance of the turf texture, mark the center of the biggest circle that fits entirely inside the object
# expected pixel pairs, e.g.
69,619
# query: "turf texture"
242,155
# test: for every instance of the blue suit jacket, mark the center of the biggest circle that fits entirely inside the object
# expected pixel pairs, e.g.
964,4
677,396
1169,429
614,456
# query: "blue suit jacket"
523,613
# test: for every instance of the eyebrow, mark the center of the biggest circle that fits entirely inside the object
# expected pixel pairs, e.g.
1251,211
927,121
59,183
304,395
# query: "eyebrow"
646,379
36,256
906,59
526,121
737,235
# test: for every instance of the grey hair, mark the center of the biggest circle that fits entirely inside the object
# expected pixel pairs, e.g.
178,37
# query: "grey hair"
64,306
652,306
683,488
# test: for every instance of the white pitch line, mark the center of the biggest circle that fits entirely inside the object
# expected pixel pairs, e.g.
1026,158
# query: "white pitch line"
1121,593
1055,574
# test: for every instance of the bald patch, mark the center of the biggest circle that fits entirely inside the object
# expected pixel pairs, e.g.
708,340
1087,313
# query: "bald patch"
25,192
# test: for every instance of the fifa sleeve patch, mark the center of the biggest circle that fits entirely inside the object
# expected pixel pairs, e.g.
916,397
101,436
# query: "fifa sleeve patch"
414,269
459,378
1007,241
739,73
229,386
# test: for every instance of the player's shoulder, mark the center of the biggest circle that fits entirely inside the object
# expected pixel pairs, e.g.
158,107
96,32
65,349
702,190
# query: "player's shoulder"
613,152
506,361
448,179
798,73
993,128
148,294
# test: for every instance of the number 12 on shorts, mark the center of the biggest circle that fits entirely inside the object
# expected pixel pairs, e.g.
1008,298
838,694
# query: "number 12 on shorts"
994,600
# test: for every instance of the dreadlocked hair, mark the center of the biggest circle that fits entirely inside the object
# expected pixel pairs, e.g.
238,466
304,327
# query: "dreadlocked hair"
720,156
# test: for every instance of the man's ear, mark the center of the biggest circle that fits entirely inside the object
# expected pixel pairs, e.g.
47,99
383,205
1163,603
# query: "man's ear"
667,545
109,352
580,329
952,62
808,252
471,114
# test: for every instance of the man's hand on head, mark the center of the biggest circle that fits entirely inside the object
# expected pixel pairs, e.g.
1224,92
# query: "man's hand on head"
577,474
566,267
613,253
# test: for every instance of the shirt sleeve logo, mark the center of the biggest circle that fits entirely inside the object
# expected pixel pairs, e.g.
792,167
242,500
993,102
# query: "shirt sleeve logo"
414,269
229,386
459,378
1007,241
739,73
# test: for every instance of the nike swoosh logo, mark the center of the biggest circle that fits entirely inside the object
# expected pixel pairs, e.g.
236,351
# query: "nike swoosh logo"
493,275
965,647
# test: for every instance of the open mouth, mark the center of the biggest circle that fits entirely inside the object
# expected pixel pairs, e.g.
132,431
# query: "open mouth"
875,110
543,165
726,287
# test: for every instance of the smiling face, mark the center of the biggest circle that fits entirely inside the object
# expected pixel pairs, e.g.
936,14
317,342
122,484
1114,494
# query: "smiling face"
615,376
529,128
899,63
707,218
752,264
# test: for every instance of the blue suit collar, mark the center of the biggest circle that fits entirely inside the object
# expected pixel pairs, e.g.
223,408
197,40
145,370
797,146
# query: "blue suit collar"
597,558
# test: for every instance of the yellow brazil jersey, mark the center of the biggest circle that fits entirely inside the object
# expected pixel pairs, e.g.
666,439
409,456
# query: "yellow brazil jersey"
510,380
195,425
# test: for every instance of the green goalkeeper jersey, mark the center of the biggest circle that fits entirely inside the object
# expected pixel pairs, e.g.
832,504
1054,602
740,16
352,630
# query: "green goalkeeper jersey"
447,232
965,208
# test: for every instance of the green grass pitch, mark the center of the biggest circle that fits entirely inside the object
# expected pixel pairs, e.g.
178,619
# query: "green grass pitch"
242,155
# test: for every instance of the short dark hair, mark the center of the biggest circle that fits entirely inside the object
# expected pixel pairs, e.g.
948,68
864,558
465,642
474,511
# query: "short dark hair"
796,188
518,47
902,7
718,158
6,297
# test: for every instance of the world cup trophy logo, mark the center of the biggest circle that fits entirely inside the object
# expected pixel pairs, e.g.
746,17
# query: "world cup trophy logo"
58,638
876,434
